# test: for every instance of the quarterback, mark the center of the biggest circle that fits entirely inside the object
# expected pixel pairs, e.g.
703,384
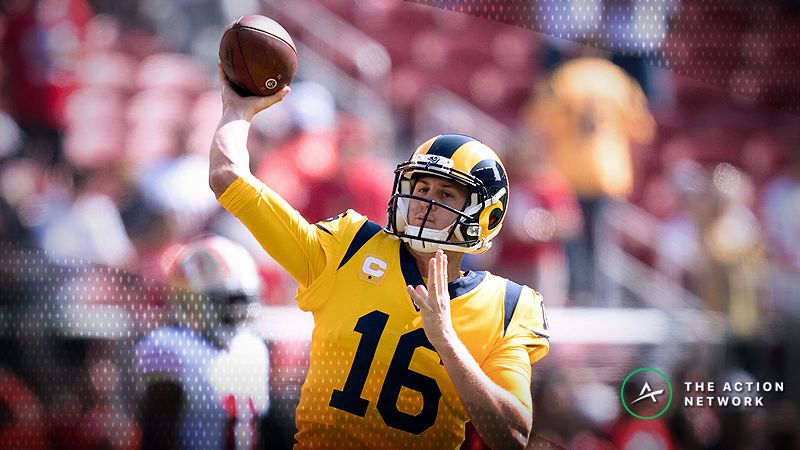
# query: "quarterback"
406,347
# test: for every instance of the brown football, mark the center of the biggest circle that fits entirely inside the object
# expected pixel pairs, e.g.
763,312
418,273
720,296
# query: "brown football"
257,55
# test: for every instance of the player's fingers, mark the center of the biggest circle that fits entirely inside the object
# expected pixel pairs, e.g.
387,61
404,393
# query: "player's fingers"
432,275
223,79
280,95
443,272
441,283
416,298
437,272
421,291
270,100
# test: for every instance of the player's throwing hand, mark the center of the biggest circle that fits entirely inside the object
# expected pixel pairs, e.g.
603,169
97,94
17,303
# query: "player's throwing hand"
434,301
249,106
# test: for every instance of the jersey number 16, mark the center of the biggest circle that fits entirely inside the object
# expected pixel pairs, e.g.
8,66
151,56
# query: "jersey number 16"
371,327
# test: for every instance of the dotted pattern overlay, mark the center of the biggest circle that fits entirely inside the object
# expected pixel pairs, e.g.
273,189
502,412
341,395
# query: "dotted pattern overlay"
69,331
750,49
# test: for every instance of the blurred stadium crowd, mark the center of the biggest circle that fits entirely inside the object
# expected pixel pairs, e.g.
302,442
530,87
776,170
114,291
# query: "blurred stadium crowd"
633,187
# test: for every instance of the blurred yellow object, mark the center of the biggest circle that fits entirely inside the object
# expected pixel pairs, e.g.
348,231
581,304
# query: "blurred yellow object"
591,111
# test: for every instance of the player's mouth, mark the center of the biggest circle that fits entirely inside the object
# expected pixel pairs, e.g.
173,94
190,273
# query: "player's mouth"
430,223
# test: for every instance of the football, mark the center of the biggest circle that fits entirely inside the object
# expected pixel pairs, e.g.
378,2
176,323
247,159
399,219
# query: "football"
257,55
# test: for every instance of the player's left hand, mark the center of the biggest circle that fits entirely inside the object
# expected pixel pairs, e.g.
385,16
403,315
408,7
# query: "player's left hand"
433,301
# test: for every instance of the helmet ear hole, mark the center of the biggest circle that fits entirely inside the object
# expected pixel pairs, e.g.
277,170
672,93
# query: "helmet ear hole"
495,217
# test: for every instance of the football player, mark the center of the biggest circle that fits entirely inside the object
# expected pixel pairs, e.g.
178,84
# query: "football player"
406,347
204,380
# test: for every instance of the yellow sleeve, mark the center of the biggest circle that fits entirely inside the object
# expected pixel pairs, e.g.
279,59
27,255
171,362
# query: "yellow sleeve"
279,228
509,369
525,342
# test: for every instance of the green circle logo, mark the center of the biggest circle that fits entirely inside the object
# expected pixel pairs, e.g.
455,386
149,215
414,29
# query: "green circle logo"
646,393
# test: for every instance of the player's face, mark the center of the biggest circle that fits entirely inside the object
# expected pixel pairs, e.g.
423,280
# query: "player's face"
439,190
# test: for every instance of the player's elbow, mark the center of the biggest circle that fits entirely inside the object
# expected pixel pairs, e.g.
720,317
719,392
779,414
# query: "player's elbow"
221,177
510,436
513,440
519,437
516,433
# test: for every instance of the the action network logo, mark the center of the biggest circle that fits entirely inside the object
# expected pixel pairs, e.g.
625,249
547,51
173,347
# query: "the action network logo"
646,393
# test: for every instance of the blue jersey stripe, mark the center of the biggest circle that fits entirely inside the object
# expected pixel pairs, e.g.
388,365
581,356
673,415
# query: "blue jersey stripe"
409,267
410,270
365,233
323,229
465,284
510,300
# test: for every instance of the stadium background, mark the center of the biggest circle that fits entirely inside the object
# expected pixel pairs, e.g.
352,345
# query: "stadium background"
107,109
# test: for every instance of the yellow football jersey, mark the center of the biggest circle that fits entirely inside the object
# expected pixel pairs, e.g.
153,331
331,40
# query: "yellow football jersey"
374,380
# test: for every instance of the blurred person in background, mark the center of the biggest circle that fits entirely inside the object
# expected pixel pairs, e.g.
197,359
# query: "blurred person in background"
318,159
11,224
591,114
714,239
735,244
367,174
779,206
87,409
743,427
303,165
694,428
362,180
451,195
41,44
204,380
38,196
680,251
88,224
152,232
543,214
108,421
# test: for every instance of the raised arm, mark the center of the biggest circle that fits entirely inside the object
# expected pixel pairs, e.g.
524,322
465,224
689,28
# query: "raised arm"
229,158
278,227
